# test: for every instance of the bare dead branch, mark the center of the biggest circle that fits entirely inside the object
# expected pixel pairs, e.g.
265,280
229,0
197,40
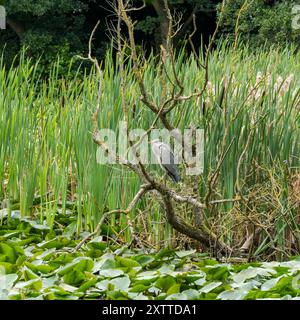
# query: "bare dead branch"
202,232
122,10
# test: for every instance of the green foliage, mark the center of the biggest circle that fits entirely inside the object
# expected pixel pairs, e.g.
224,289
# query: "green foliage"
39,272
47,29
148,25
259,22
182,8
51,28
42,7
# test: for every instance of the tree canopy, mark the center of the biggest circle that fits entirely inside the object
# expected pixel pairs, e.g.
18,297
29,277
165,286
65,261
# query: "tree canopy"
48,28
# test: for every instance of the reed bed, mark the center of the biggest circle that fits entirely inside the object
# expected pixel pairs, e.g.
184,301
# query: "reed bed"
48,159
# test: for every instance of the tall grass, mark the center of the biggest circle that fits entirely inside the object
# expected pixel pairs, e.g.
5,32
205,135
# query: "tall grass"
48,160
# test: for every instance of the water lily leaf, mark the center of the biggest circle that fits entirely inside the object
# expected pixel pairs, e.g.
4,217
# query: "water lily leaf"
68,287
59,292
177,296
125,262
269,284
8,253
70,229
28,274
200,282
239,291
97,245
137,296
92,294
34,224
246,285
174,289
165,252
86,285
7,281
34,284
182,254
207,262
10,234
166,268
74,277
58,243
111,273
39,266
293,265
121,250
139,288
120,283
144,259
117,295
8,267
234,294
103,285
48,282
210,287
193,276
154,290
79,264
147,275
45,254
191,294
107,261
218,273
251,273
283,284
61,260
165,283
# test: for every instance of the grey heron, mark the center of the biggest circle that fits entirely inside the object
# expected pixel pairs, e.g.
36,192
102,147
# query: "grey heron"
165,158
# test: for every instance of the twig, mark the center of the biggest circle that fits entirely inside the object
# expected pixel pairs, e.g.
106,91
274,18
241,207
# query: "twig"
141,192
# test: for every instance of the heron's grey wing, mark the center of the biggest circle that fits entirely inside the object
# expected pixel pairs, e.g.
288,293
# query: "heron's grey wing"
166,155
168,161
156,152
